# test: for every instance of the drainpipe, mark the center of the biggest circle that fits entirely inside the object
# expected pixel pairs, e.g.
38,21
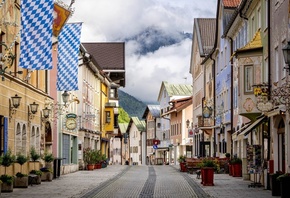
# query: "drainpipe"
269,86
214,101
232,95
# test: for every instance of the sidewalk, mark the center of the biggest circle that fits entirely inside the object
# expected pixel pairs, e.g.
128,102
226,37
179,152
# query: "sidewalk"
71,185
226,186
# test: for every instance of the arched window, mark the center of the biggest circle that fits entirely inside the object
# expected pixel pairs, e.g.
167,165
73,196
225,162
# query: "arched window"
32,137
37,141
18,138
24,140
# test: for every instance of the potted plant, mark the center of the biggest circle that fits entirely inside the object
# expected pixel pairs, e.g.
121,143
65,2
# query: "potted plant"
21,180
34,156
46,174
284,185
88,157
98,159
104,160
236,164
208,166
37,179
182,163
48,159
7,180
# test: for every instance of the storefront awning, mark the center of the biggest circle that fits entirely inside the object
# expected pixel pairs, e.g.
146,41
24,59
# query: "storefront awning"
208,130
259,121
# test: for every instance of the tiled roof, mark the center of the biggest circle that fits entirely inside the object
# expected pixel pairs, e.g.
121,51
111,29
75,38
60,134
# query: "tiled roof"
206,33
153,109
180,104
123,127
109,56
140,124
231,3
255,43
178,89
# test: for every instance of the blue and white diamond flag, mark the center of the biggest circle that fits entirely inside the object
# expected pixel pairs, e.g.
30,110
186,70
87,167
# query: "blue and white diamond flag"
36,34
68,51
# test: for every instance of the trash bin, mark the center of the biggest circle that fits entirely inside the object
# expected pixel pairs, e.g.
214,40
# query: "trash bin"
275,184
56,167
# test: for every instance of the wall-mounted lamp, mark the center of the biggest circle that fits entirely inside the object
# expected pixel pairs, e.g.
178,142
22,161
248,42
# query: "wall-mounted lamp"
108,116
187,123
14,104
65,97
6,60
45,114
32,109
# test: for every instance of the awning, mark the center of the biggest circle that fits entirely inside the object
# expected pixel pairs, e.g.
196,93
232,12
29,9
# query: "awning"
243,128
259,121
208,130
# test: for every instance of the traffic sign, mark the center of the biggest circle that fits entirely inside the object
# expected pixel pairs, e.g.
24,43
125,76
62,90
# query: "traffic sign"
155,146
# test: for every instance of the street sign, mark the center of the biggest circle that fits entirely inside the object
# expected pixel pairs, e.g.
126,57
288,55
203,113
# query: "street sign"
155,146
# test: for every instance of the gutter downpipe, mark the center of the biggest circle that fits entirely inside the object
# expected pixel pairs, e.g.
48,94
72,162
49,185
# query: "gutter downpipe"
214,101
232,95
269,86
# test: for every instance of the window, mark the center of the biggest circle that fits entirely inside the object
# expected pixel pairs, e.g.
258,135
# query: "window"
276,73
265,73
282,60
249,79
259,17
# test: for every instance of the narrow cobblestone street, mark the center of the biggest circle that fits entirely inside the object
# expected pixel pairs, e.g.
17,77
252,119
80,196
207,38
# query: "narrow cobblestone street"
139,182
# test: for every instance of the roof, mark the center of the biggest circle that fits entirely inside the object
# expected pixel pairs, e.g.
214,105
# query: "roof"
205,29
180,104
175,89
255,43
153,109
123,127
140,124
231,3
110,57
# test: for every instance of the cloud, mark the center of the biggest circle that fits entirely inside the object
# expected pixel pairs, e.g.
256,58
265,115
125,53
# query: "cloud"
166,64
116,20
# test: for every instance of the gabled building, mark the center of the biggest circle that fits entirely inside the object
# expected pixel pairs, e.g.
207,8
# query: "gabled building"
156,140
124,144
181,134
137,138
110,58
167,93
203,84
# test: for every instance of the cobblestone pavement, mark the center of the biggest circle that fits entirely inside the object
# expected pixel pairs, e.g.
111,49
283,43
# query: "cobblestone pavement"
139,182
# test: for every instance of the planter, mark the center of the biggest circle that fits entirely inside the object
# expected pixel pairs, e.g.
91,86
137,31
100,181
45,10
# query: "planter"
37,180
207,176
237,170
275,185
183,167
104,165
90,167
46,176
284,187
230,170
98,166
6,187
21,182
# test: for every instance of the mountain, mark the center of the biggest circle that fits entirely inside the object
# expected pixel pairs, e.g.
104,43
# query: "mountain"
153,38
133,106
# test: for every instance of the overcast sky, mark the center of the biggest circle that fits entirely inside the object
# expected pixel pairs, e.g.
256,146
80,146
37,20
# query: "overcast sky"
116,20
